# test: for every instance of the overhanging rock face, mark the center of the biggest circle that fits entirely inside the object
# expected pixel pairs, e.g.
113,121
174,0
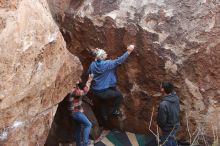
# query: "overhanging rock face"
175,40
36,71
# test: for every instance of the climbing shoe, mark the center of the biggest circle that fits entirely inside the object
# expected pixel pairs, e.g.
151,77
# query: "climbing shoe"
117,113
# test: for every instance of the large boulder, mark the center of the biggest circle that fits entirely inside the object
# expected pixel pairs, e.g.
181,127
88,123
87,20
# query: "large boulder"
36,71
175,40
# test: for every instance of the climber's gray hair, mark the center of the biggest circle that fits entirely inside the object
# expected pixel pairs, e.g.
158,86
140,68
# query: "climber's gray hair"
99,53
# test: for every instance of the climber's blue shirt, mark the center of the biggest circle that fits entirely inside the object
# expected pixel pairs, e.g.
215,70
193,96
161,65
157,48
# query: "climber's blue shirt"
104,73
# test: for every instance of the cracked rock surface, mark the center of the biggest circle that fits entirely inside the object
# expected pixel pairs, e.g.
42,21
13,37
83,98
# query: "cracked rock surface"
36,71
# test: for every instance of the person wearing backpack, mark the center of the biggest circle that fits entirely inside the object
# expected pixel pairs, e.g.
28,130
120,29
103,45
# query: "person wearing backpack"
75,107
104,82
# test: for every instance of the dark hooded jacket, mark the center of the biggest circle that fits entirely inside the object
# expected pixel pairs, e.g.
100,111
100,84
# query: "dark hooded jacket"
168,113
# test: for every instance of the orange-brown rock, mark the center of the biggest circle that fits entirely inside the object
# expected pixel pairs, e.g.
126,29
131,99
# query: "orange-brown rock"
36,71
175,40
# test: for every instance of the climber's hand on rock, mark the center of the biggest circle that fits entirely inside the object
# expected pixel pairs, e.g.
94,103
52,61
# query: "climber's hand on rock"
130,48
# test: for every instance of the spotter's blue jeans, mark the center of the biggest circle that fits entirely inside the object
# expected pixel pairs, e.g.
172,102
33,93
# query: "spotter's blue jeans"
82,123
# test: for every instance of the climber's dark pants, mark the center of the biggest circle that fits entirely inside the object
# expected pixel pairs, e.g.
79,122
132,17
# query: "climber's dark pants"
110,93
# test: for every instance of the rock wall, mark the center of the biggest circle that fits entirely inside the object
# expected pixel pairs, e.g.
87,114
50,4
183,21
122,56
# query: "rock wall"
175,40
36,71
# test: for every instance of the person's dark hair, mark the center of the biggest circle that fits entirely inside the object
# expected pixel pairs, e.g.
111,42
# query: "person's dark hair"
80,85
167,86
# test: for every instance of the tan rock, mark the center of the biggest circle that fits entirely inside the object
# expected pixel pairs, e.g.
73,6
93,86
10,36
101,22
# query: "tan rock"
36,71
